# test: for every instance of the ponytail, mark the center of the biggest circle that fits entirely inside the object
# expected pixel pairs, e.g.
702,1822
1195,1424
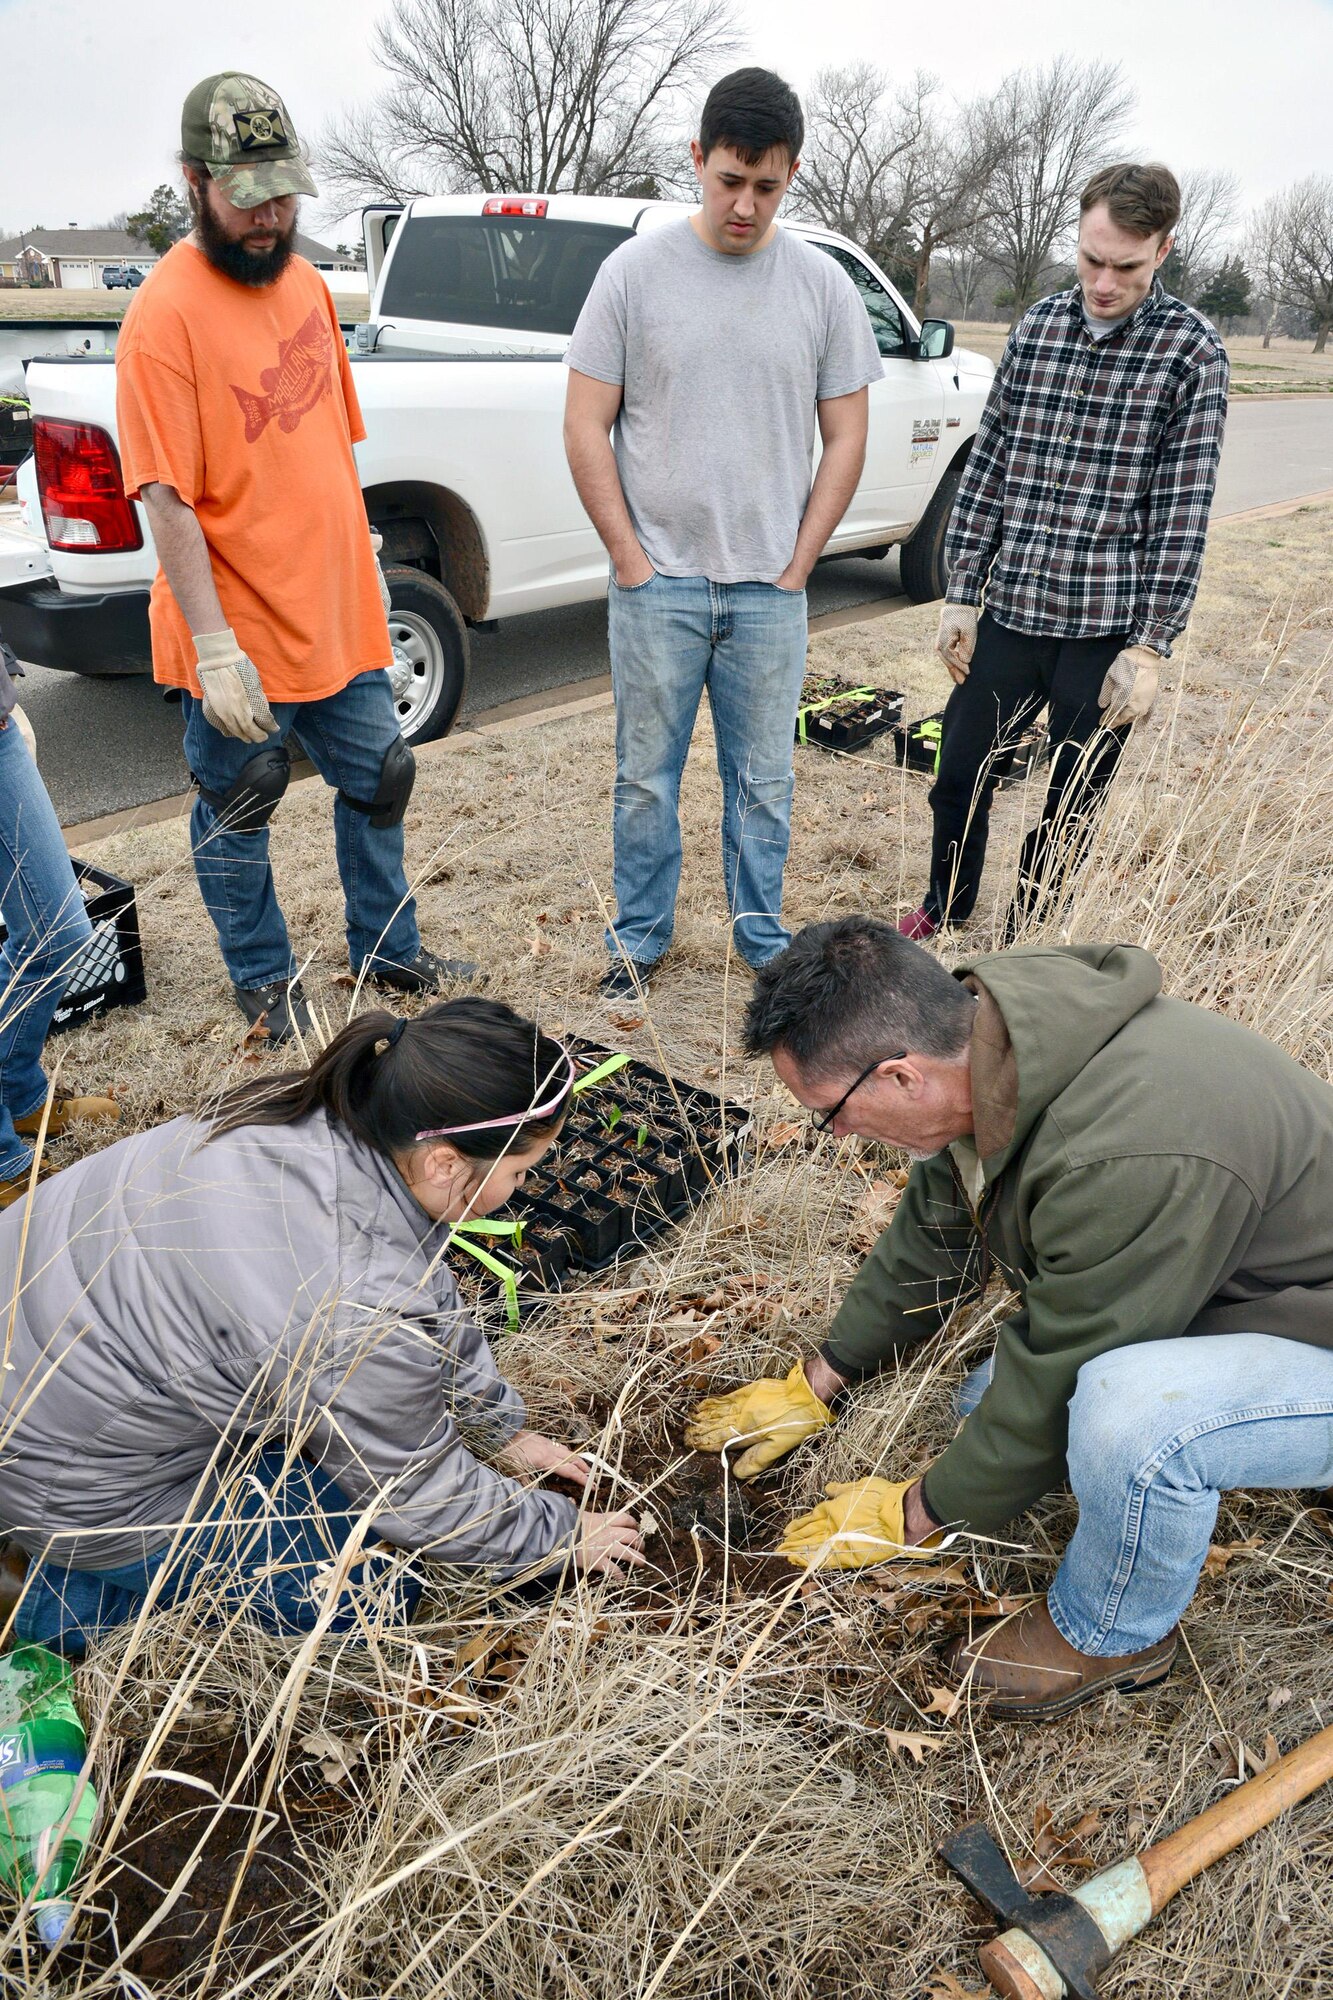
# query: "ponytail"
386,1078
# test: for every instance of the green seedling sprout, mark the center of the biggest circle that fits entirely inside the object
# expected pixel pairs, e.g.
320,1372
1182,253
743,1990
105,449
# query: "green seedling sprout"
641,1138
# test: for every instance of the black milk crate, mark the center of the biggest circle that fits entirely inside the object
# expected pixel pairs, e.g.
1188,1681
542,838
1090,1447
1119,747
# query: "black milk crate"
108,972
917,744
848,720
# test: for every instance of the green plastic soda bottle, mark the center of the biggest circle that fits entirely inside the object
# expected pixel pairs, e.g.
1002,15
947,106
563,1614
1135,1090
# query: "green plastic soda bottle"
42,1751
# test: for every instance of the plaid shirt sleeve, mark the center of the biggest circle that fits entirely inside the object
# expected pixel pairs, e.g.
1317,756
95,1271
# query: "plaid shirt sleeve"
1182,494
972,540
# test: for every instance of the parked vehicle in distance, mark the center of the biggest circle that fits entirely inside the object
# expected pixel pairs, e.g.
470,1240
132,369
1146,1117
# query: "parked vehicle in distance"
126,276
460,374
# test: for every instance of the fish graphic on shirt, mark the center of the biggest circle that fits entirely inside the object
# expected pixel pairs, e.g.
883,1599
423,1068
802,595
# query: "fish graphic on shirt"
293,388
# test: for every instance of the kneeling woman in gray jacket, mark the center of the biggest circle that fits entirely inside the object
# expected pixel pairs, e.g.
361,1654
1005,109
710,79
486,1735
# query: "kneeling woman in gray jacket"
236,1361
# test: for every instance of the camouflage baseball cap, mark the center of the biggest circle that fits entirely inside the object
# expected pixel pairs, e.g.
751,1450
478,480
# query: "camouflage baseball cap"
240,129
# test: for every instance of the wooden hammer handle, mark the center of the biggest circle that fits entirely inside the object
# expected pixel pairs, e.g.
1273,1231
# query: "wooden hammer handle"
1172,1862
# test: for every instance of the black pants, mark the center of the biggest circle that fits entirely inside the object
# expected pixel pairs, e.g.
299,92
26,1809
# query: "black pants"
1014,675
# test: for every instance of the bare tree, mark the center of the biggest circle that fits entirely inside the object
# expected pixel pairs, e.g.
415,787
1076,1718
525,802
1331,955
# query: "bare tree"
1208,207
893,169
540,95
1264,255
1056,126
1291,249
956,188
862,159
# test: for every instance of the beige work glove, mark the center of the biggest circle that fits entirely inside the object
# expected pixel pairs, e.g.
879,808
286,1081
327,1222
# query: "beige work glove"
956,640
769,1415
234,700
861,1522
1130,687
25,730
386,596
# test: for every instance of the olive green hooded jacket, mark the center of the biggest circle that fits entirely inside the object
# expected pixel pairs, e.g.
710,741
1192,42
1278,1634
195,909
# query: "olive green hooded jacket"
1150,1169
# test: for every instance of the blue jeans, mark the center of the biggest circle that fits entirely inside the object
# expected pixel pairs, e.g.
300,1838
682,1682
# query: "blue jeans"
345,737
1157,1432
48,927
259,1550
671,638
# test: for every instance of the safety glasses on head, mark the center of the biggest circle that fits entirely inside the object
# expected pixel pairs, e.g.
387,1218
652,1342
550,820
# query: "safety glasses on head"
530,1116
823,1120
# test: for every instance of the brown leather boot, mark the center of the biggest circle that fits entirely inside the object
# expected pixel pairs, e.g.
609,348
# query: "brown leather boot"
66,1106
17,1188
1022,1667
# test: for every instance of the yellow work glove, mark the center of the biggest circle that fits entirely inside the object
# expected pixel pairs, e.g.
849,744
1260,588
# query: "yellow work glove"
773,1416
233,696
861,1522
1130,687
956,640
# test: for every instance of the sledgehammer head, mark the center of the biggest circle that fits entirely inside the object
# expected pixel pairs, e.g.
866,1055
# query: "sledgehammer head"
1056,1945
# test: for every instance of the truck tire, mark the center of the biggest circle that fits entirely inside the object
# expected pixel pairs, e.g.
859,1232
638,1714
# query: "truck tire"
430,655
921,563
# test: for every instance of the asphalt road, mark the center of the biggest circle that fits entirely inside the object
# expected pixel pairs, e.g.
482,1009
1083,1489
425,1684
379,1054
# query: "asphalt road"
107,744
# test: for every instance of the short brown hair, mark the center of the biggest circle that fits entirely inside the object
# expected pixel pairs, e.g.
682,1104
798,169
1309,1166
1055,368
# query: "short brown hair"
1143,199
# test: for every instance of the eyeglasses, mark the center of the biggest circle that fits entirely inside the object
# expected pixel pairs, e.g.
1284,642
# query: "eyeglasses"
822,1121
515,1118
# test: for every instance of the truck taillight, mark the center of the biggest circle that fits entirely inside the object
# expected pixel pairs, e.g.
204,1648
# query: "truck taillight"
515,204
82,493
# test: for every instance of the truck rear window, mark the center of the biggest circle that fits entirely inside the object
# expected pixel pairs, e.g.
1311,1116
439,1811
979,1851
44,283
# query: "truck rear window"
526,276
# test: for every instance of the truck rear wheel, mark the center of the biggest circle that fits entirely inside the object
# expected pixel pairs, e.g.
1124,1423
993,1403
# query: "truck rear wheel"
430,655
921,563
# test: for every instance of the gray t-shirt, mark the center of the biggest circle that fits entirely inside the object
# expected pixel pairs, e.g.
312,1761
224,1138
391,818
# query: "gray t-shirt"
722,360
1102,329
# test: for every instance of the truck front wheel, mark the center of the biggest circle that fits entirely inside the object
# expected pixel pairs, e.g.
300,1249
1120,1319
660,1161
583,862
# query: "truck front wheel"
921,563
430,655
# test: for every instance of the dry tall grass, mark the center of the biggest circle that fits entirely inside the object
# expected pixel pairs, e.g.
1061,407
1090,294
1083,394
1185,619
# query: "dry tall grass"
729,1780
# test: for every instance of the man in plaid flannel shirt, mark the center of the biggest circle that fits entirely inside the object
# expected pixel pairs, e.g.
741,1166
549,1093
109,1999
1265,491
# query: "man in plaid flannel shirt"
1081,521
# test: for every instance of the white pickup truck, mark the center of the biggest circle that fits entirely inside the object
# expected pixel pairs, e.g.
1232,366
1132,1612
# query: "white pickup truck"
461,378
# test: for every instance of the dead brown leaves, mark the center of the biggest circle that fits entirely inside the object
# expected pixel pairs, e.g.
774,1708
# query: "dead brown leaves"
944,1986
874,1211
1236,1761
1052,1843
1221,1553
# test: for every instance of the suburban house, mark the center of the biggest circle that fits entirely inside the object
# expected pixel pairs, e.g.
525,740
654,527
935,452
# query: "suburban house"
69,259
75,259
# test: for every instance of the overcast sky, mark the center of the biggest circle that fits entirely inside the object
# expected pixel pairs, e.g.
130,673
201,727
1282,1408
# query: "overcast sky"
90,103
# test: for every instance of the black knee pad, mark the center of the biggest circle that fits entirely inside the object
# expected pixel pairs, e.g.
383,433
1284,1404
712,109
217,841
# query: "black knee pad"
251,800
397,776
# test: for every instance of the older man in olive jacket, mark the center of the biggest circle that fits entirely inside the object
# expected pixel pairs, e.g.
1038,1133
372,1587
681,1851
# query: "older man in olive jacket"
1154,1182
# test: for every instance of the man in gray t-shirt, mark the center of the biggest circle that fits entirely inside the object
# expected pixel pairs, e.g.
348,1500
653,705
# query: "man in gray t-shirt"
713,344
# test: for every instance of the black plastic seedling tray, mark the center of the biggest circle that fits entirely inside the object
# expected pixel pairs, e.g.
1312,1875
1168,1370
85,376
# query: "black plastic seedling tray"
846,720
917,744
635,1153
109,970
1015,766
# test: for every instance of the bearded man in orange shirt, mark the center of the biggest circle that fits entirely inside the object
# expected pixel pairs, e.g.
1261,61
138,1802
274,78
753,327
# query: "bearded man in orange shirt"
237,416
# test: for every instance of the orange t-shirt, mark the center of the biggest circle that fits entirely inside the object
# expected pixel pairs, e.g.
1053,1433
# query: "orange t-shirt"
241,397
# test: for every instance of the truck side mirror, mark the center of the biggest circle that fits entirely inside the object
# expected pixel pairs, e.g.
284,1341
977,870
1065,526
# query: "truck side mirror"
936,341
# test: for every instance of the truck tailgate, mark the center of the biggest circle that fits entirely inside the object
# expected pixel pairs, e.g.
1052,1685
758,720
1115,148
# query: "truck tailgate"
23,558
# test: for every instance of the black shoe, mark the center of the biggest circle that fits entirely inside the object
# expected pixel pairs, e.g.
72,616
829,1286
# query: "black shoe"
427,973
626,979
280,1008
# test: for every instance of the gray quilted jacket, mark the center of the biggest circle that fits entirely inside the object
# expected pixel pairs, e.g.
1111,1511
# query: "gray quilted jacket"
278,1281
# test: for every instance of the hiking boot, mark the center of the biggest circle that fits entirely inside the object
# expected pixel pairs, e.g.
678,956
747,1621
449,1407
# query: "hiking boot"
66,1109
626,979
1023,1668
917,925
280,1009
16,1186
426,973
